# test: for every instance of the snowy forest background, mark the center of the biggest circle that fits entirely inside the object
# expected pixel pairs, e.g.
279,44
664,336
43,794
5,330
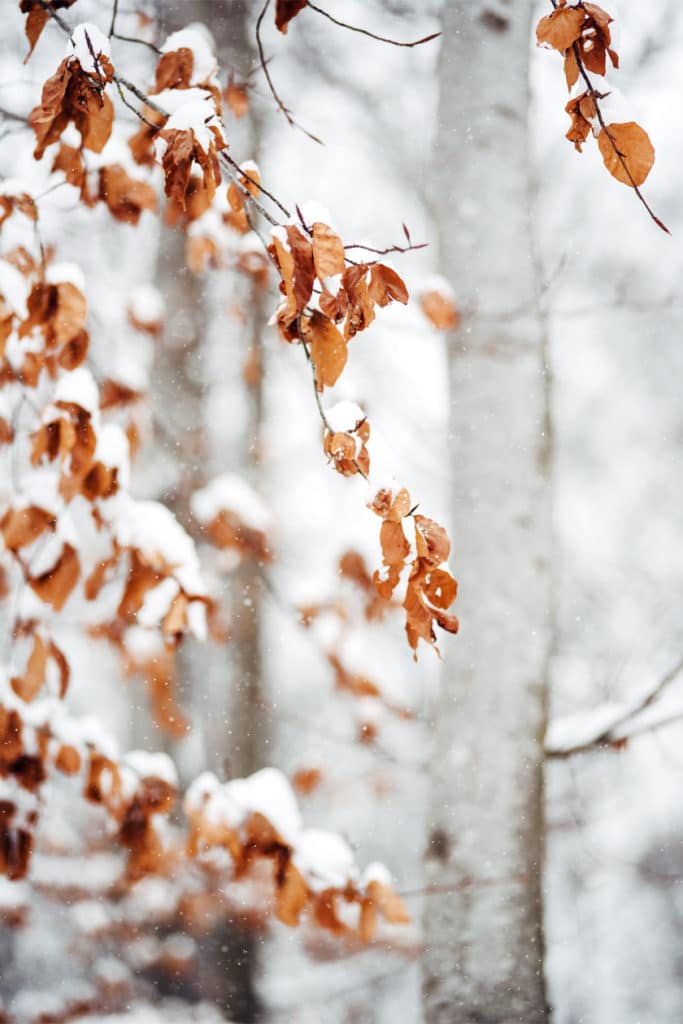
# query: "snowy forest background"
611,315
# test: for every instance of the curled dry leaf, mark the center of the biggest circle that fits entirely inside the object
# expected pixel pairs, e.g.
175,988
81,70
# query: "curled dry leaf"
182,151
596,40
582,111
627,152
55,585
72,94
347,449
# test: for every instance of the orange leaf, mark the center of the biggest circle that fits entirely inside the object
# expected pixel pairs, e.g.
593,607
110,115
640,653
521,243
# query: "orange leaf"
635,157
55,585
386,285
561,28
328,252
328,348
292,895
440,310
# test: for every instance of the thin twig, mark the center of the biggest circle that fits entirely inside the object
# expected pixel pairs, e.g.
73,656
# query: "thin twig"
113,34
391,248
11,116
372,35
613,734
595,96
256,183
271,85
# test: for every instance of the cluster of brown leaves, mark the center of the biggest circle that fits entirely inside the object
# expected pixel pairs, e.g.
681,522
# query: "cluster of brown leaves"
75,95
346,450
29,755
189,193
582,34
257,840
431,589
347,294
58,312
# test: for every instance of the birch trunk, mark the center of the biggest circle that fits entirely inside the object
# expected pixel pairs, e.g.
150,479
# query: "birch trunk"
483,920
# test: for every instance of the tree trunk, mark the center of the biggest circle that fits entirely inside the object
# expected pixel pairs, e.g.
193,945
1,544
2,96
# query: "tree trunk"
211,419
483,919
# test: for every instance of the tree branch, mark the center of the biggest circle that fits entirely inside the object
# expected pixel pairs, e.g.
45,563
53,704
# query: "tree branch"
614,733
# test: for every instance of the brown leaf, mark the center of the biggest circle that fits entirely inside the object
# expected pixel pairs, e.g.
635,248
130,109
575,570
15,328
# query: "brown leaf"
432,541
328,348
386,286
304,270
28,685
582,110
305,780
627,144
285,10
439,309
55,585
571,68
72,95
561,28
174,70
22,526
395,550
37,19
125,197
237,98
328,252
292,896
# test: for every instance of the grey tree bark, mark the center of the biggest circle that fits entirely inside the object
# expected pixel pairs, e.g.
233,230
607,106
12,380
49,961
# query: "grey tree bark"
211,421
483,918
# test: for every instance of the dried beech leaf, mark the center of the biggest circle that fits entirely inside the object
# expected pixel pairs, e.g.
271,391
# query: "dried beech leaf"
571,68
440,310
386,286
24,525
328,348
561,28
304,270
634,150
237,98
285,10
328,252
292,896
125,197
28,685
55,585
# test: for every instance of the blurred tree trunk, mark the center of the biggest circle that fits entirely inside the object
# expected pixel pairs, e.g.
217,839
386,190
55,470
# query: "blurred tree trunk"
484,958
211,418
